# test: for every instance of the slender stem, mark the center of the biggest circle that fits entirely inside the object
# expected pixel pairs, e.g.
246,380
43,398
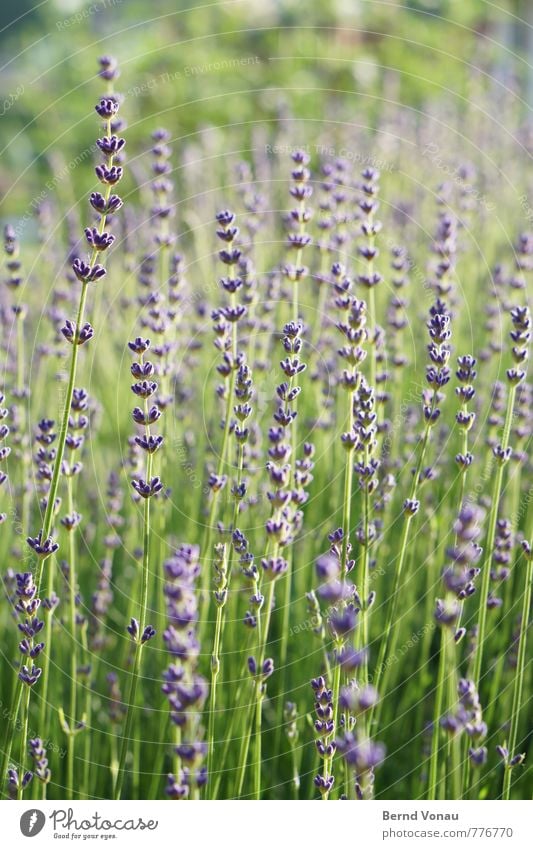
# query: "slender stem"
25,491
454,743
71,737
390,633
130,710
10,729
221,621
259,690
63,428
439,695
215,668
245,746
258,725
113,764
389,637
328,760
88,713
129,720
489,547
47,639
519,676
24,738
208,533
363,577
372,324
229,733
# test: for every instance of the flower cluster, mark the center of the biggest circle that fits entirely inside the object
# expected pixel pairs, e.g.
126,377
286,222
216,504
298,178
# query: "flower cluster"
467,717
27,604
299,217
13,264
41,769
241,430
437,373
225,322
162,209
397,312
105,203
466,374
362,756
352,326
284,521
501,559
103,596
184,687
367,465
45,454
144,388
370,277
5,450
520,336
445,248
324,734
459,575
370,227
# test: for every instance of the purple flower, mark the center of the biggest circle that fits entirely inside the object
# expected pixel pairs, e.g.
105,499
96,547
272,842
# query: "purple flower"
107,108
87,273
146,489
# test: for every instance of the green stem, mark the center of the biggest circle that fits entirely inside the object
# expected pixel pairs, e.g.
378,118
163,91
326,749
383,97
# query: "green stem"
10,730
259,690
328,762
215,668
23,739
129,720
439,696
390,633
363,578
489,547
519,676
139,645
71,737
47,639
208,533
245,746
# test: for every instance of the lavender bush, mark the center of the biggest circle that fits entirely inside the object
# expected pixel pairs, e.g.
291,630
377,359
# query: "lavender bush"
299,565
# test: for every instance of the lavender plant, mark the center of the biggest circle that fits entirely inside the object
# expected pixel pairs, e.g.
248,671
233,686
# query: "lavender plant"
326,440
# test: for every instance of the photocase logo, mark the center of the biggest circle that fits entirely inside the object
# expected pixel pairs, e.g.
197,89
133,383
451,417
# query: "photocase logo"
32,822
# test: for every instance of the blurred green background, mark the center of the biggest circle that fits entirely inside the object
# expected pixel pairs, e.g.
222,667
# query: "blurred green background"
192,64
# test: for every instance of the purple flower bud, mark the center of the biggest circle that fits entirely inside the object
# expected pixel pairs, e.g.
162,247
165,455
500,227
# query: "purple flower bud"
107,108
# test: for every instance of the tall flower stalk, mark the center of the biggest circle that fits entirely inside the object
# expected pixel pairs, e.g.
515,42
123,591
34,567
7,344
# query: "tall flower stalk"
520,336
370,277
221,597
185,689
30,647
508,752
146,488
78,421
226,341
465,418
79,332
298,240
223,565
459,584
437,376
